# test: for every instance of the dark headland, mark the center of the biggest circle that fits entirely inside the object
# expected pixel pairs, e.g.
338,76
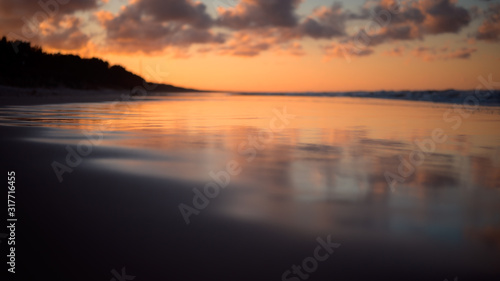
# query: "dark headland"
28,73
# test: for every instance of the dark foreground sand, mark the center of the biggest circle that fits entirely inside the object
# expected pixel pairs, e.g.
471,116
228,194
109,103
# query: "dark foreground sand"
96,221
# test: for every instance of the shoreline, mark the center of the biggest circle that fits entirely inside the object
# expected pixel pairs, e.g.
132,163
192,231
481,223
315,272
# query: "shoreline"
37,96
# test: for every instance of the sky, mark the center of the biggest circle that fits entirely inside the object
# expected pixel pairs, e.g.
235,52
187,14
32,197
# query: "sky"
274,45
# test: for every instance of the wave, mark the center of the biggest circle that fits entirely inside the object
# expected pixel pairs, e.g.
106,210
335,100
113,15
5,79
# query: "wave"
487,98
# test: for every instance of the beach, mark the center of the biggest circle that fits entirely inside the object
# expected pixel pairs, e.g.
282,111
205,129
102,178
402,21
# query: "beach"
218,186
286,140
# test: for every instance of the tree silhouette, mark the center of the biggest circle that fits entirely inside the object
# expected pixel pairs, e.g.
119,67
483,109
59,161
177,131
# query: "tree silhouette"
29,66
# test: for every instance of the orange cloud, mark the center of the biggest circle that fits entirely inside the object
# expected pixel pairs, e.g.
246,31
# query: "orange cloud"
490,28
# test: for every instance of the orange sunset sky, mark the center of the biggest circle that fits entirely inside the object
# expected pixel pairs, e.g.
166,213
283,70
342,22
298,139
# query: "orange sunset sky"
274,45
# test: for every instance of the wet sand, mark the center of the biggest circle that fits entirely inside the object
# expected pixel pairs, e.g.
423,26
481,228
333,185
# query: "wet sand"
99,219
96,220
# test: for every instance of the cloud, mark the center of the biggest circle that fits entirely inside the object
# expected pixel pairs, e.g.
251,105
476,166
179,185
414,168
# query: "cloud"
26,8
51,23
463,53
346,51
262,25
395,52
16,14
416,19
412,20
153,25
490,28
391,20
292,48
244,45
444,53
325,22
244,27
259,13
63,33
444,16
251,43
388,21
184,11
